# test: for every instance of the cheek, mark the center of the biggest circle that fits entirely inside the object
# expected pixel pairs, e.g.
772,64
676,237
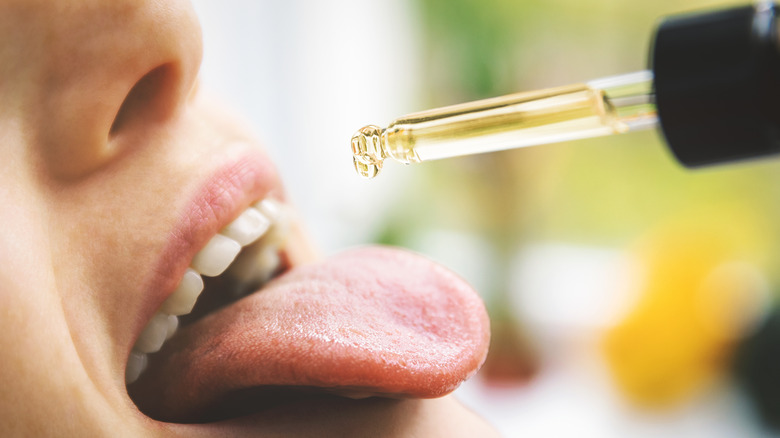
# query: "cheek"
46,388
39,366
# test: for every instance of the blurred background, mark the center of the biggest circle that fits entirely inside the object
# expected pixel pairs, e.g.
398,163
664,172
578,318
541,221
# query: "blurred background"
628,296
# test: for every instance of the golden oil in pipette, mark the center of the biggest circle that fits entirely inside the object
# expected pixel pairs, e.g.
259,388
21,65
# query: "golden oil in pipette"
512,121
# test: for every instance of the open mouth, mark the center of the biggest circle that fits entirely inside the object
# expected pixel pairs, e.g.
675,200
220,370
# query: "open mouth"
266,335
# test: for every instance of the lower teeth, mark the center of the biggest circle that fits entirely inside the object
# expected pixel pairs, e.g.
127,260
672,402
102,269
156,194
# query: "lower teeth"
136,364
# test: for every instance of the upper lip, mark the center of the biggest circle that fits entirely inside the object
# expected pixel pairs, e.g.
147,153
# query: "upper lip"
228,191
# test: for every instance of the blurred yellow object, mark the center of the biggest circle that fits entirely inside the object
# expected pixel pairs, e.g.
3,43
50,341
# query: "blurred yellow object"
703,290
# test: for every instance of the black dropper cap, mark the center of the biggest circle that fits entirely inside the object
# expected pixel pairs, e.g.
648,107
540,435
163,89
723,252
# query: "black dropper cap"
717,84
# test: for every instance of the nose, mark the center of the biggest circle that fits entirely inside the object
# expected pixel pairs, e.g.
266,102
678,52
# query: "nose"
111,69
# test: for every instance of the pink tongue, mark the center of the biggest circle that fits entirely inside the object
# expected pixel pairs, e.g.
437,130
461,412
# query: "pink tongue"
370,321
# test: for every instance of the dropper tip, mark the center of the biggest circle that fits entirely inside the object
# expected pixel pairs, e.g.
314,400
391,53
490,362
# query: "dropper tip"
367,153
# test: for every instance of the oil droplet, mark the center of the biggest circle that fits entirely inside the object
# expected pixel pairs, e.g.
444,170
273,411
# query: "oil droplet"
367,151
369,170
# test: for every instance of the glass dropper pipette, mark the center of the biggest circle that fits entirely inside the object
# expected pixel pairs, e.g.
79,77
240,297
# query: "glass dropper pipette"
605,106
714,90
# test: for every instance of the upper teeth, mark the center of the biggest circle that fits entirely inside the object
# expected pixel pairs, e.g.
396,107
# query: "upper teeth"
216,256
266,218
182,300
248,227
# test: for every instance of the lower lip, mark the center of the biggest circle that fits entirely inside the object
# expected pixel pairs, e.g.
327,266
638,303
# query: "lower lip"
317,415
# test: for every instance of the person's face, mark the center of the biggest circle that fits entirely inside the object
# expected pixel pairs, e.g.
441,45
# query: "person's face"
115,175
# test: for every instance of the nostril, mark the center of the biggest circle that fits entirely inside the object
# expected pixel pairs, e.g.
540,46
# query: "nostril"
117,73
153,98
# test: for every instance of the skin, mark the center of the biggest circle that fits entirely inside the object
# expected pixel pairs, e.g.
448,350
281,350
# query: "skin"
101,133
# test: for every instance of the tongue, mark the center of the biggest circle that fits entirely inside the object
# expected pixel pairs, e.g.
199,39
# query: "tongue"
367,322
